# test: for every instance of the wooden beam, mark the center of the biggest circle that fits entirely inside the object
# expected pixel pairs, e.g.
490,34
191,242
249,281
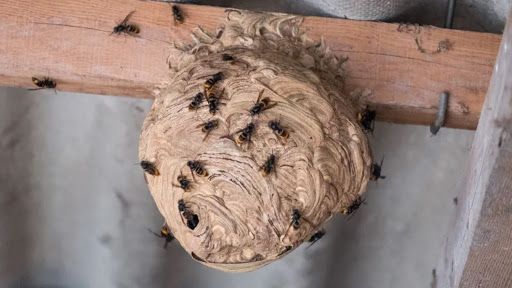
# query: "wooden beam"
405,67
479,250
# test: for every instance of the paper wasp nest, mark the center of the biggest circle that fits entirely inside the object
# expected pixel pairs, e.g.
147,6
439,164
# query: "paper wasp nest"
241,208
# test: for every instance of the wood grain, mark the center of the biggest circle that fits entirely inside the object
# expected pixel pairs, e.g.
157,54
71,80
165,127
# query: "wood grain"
69,41
479,250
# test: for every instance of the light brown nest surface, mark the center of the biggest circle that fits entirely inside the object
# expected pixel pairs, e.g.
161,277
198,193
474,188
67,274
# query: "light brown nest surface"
245,218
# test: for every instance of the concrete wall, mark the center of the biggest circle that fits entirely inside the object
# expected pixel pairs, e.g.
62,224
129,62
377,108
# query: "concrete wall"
75,210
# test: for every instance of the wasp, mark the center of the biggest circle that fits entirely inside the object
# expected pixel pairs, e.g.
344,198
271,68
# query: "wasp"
195,166
196,101
376,168
246,133
149,168
123,27
178,14
269,166
46,83
208,127
367,119
296,221
276,127
184,183
286,249
183,209
261,104
353,207
213,101
315,237
227,57
192,219
181,206
208,84
166,234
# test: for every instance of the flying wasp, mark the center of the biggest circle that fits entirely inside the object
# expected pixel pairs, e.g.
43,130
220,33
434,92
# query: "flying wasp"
195,166
213,101
184,183
46,83
125,28
208,127
276,127
196,101
353,207
376,168
149,168
208,84
166,234
315,237
261,104
367,119
192,219
178,14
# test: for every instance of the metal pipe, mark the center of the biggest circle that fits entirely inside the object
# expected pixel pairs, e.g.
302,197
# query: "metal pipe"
450,11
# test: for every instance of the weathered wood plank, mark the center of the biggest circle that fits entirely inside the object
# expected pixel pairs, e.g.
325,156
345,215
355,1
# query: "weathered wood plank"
479,250
69,41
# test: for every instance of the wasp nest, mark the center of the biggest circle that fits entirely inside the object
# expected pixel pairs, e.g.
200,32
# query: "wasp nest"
250,145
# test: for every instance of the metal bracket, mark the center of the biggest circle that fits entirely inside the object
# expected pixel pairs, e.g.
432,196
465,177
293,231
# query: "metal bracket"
441,113
443,98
